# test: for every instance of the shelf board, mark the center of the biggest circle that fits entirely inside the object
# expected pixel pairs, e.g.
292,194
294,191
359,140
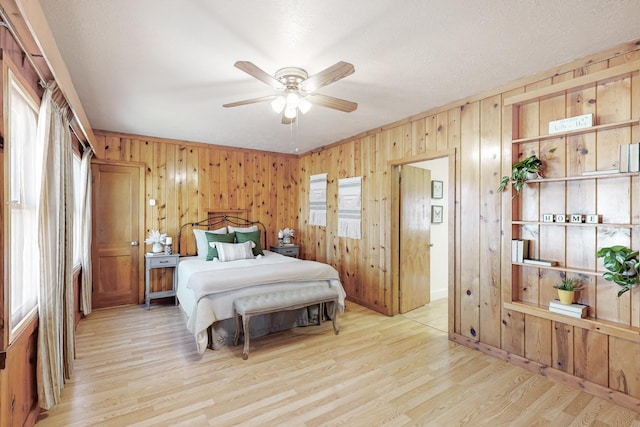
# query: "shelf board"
619,330
588,80
575,224
577,131
582,177
561,268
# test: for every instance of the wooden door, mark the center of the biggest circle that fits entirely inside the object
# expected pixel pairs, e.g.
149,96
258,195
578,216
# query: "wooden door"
415,217
116,250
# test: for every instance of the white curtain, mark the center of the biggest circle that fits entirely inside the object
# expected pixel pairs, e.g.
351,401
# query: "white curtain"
55,298
85,231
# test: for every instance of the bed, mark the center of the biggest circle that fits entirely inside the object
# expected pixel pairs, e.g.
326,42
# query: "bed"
207,287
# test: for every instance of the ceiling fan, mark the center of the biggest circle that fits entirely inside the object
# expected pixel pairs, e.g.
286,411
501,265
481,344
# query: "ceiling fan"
297,90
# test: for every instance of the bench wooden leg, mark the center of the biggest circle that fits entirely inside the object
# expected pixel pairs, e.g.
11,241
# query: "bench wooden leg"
236,336
245,327
336,329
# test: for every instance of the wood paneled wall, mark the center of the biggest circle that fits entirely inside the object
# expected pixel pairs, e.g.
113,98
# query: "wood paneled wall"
189,179
478,130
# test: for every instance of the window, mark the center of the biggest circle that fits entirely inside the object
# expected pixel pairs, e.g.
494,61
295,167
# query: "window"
77,210
23,162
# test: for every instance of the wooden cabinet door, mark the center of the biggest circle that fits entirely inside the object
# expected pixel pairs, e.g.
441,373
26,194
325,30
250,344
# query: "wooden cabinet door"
415,229
116,243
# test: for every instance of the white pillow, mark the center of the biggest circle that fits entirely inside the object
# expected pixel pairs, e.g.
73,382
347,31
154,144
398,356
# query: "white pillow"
202,245
234,251
233,229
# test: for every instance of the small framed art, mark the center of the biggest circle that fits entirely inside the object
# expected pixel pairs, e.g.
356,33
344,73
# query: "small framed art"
436,214
436,189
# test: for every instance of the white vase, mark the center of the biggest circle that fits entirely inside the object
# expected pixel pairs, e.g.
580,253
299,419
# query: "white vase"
286,240
157,248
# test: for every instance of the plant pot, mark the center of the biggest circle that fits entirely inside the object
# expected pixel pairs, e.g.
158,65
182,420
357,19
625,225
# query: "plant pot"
533,175
157,248
566,297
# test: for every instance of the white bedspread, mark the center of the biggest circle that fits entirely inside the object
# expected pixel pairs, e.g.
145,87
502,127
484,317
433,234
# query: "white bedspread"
207,289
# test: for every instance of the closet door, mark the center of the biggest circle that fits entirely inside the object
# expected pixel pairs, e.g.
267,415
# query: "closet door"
116,244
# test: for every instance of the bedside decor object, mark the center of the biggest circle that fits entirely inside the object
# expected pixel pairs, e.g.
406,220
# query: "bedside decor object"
623,266
285,235
156,239
168,246
436,189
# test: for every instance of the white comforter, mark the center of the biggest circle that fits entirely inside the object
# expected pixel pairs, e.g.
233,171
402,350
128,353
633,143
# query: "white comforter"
207,289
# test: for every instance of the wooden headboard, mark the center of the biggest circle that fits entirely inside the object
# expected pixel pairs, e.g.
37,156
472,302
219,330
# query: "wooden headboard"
213,222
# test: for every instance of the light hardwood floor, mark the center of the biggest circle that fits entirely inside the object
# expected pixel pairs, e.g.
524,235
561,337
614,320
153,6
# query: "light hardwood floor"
379,371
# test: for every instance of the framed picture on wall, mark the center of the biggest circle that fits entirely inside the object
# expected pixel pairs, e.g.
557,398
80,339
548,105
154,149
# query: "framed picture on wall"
436,214
436,189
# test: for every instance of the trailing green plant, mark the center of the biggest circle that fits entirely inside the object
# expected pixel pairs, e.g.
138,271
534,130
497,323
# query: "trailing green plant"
520,172
623,266
568,285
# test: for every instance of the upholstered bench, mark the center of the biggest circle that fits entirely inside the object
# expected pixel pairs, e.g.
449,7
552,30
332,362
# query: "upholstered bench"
272,302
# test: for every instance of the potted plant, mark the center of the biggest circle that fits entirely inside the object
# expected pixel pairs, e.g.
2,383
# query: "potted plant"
529,168
156,239
567,289
623,266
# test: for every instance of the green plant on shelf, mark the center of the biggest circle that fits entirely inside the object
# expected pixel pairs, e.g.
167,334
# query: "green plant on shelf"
568,285
529,168
622,263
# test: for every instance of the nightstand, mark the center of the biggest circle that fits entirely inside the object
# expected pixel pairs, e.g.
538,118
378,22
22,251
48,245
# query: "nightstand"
290,250
159,261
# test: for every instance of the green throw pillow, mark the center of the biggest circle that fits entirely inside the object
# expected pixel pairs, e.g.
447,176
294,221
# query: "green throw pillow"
211,237
253,236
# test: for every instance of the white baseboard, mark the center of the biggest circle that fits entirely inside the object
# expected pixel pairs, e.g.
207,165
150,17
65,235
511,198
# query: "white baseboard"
439,294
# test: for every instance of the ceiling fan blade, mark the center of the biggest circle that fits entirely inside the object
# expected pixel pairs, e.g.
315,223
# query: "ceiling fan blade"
331,102
250,101
257,72
332,74
286,120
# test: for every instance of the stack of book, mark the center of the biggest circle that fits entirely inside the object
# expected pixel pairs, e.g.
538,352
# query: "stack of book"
629,157
519,250
542,262
574,310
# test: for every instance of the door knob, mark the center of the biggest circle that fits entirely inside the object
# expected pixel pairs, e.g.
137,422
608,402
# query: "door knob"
134,243
430,245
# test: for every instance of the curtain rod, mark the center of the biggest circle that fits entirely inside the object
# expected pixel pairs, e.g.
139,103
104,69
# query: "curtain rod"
5,23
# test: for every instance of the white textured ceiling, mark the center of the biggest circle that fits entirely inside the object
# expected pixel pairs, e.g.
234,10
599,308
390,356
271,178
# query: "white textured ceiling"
164,68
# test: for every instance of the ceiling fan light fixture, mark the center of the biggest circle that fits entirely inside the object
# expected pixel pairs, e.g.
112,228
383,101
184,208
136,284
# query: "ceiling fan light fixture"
304,106
278,104
292,99
290,112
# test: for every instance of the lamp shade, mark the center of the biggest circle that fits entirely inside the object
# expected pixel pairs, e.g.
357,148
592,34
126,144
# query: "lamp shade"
304,106
290,112
278,104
